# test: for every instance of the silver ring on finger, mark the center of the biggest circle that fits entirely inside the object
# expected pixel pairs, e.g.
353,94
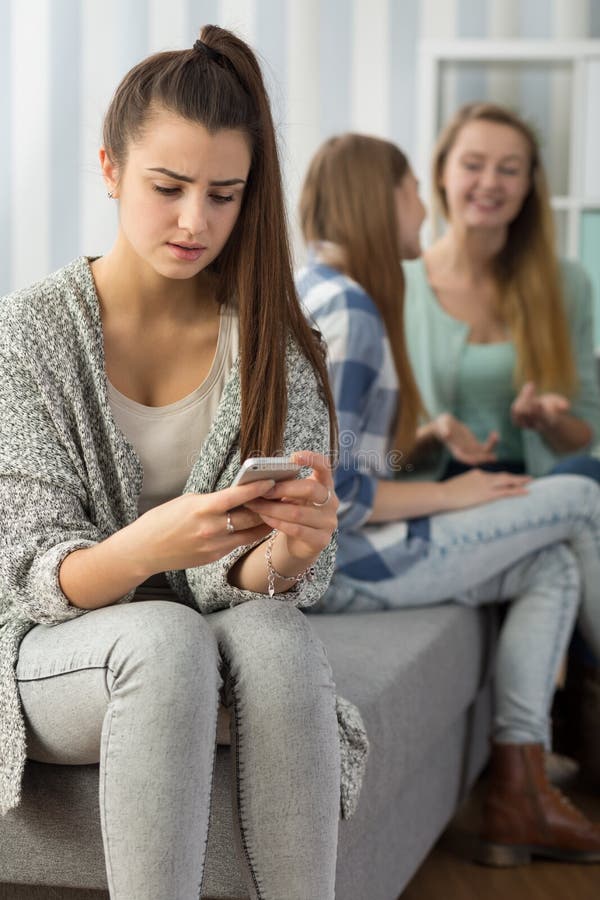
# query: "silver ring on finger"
229,526
325,501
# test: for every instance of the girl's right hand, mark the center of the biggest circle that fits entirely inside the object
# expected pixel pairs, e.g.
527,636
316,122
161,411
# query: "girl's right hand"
191,530
535,410
462,443
477,487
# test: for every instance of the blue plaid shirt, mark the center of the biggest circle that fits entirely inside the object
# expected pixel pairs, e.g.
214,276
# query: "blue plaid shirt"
365,389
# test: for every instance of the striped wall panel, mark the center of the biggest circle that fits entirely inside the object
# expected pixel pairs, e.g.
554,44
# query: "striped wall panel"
331,65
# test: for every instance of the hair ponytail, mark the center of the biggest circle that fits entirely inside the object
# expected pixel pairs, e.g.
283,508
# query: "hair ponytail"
254,269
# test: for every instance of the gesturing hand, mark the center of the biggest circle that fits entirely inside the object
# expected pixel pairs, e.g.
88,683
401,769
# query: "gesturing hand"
302,510
534,410
462,443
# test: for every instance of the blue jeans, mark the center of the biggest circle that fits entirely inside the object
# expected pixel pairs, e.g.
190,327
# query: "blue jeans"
136,688
541,552
581,464
589,467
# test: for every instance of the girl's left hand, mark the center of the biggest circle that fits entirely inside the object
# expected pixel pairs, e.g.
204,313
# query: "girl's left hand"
538,411
303,510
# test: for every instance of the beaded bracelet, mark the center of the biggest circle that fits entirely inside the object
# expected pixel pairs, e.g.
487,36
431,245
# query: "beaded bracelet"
307,575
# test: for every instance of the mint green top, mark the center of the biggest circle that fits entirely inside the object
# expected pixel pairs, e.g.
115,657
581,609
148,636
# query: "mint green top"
484,392
436,342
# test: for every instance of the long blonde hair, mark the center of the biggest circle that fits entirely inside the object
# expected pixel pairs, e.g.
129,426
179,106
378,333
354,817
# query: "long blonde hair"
348,199
526,269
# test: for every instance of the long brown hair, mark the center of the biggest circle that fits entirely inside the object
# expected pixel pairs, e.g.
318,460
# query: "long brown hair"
219,84
348,198
526,269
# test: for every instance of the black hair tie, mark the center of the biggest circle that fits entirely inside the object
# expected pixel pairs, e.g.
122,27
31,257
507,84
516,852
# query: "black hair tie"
210,52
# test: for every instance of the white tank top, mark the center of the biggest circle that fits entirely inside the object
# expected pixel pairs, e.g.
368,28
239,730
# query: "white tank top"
168,439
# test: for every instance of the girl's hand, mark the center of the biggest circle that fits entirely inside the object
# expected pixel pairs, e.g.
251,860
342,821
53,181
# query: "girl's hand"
537,411
477,487
302,510
191,530
462,443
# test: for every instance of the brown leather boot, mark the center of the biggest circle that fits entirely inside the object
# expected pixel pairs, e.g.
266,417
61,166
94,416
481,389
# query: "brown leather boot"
525,816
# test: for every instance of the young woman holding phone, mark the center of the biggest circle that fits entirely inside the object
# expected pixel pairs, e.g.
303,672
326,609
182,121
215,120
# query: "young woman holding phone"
132,387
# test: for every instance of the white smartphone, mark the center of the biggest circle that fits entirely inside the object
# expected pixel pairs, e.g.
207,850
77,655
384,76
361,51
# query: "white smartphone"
259,468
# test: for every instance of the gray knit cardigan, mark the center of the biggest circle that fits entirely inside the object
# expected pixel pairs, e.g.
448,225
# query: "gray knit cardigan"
69,478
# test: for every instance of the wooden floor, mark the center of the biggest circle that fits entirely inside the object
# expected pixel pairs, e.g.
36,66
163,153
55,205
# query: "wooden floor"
448,873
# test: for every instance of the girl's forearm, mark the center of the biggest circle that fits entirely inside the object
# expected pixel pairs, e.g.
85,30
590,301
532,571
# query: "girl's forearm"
567,434
100,575
396,501
250,572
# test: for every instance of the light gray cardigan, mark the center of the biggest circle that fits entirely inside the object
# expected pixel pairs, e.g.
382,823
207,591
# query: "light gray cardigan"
69,478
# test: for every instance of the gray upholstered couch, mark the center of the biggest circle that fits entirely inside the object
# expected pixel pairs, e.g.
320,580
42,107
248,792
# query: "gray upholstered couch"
421,680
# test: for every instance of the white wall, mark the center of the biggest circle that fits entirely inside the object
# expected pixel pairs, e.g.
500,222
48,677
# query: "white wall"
332,65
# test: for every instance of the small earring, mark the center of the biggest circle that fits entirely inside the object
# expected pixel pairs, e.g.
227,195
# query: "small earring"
110,195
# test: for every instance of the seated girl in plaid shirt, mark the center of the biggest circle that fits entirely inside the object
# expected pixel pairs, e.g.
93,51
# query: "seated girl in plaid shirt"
478,538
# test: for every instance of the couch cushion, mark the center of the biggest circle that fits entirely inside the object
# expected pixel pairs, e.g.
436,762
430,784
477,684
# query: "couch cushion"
411,672
397,822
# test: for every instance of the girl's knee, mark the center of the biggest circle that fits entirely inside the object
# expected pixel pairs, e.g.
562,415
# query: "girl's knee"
165,635
273,642
567,488
265,628
558,566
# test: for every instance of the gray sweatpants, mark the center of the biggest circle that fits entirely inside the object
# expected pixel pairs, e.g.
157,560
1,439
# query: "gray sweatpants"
136,688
